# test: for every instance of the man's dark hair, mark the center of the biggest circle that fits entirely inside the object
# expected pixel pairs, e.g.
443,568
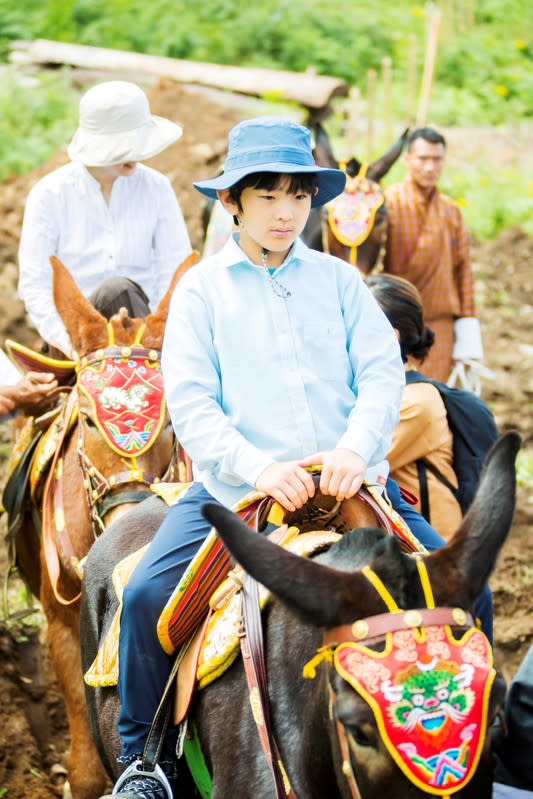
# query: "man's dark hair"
428,134
268,181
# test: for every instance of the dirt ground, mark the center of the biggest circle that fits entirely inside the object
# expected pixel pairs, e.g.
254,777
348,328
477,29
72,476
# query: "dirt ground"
504,284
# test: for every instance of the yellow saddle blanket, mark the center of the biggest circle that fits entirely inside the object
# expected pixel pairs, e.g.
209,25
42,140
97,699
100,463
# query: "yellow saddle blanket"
220,645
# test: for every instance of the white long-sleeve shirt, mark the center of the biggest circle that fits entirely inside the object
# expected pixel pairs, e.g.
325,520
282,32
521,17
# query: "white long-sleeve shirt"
139,234
252,378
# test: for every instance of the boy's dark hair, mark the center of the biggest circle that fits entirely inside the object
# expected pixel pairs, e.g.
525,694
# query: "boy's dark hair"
268,181
400,302
428,134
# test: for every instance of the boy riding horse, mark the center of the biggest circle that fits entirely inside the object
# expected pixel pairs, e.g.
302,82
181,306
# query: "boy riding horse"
275,358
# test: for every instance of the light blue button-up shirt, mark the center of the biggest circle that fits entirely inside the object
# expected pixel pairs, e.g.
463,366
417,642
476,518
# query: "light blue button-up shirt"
252,377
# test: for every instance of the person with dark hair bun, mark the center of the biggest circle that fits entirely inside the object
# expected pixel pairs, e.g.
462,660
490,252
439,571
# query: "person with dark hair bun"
423,431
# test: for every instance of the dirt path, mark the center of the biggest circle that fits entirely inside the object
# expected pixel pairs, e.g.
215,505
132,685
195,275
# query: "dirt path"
505,292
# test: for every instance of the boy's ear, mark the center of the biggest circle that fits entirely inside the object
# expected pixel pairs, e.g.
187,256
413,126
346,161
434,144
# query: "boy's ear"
229,204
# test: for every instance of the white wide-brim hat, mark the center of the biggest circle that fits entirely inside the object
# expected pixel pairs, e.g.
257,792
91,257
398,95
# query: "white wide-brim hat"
116,126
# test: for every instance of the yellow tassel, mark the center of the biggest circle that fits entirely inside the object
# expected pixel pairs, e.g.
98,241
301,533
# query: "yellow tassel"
324,653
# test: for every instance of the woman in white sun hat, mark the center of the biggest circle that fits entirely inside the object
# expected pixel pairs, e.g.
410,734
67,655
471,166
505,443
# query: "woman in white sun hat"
115,223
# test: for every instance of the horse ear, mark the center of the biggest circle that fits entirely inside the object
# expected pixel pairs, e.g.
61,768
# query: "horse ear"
84,324
155,322
322,152
461,569
321,595
377,170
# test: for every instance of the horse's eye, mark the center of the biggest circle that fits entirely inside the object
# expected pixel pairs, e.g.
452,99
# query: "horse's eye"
87,420
362,735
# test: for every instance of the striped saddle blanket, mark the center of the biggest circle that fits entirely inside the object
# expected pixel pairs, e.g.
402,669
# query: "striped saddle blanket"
209,588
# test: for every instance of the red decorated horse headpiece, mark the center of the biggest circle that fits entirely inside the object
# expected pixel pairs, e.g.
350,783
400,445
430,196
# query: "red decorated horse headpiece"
125,388
429,692
351,215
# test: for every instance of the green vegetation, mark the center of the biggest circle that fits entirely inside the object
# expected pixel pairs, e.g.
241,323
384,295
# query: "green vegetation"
524,468
35,120
484,72
484,67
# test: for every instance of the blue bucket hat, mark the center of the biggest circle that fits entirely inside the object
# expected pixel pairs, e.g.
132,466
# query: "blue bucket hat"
272,144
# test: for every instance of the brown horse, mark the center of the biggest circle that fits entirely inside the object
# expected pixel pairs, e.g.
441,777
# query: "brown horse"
317,603
91,482
361,211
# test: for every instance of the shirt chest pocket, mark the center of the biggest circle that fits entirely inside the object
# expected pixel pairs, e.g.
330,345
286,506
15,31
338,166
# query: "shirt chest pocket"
324,350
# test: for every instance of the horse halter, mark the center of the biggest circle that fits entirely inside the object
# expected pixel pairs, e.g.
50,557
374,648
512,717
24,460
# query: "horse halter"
124,387
429,691
351,215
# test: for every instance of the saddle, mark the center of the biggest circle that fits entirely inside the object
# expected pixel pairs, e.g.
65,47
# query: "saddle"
37,440
204,610
29,360
35,446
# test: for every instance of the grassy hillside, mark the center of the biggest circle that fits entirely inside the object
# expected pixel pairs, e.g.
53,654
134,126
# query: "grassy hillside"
484,70
485,59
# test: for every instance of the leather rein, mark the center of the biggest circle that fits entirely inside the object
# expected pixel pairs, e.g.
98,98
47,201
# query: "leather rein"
252,646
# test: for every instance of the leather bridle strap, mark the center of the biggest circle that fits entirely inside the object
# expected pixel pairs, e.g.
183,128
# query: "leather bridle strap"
373,628
49,525
344,748
253,655
347,769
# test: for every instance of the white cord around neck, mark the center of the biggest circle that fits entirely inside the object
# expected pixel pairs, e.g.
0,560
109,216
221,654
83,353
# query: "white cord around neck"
278,288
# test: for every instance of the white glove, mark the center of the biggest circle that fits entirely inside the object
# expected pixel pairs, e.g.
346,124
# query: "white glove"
467,343
467,374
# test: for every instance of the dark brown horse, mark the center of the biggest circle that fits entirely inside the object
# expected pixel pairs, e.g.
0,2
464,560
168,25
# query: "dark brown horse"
322,234
312,598
95,483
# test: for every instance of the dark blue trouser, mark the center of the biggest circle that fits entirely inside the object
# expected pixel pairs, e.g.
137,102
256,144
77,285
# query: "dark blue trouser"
144,666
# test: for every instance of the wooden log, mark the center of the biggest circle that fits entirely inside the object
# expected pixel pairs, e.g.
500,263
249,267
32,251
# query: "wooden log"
311,91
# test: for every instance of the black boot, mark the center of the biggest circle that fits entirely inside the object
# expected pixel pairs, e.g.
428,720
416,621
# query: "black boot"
137,783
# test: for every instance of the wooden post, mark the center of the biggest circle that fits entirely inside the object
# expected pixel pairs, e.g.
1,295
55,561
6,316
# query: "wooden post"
460,15
470,14
386,64
411,79
351,126
429,67
370,112
448,18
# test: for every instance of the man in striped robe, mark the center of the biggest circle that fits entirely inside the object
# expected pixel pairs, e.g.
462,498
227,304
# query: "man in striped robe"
427,244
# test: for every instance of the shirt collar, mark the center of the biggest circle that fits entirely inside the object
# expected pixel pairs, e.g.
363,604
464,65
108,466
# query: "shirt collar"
231,254
86,176
417,191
